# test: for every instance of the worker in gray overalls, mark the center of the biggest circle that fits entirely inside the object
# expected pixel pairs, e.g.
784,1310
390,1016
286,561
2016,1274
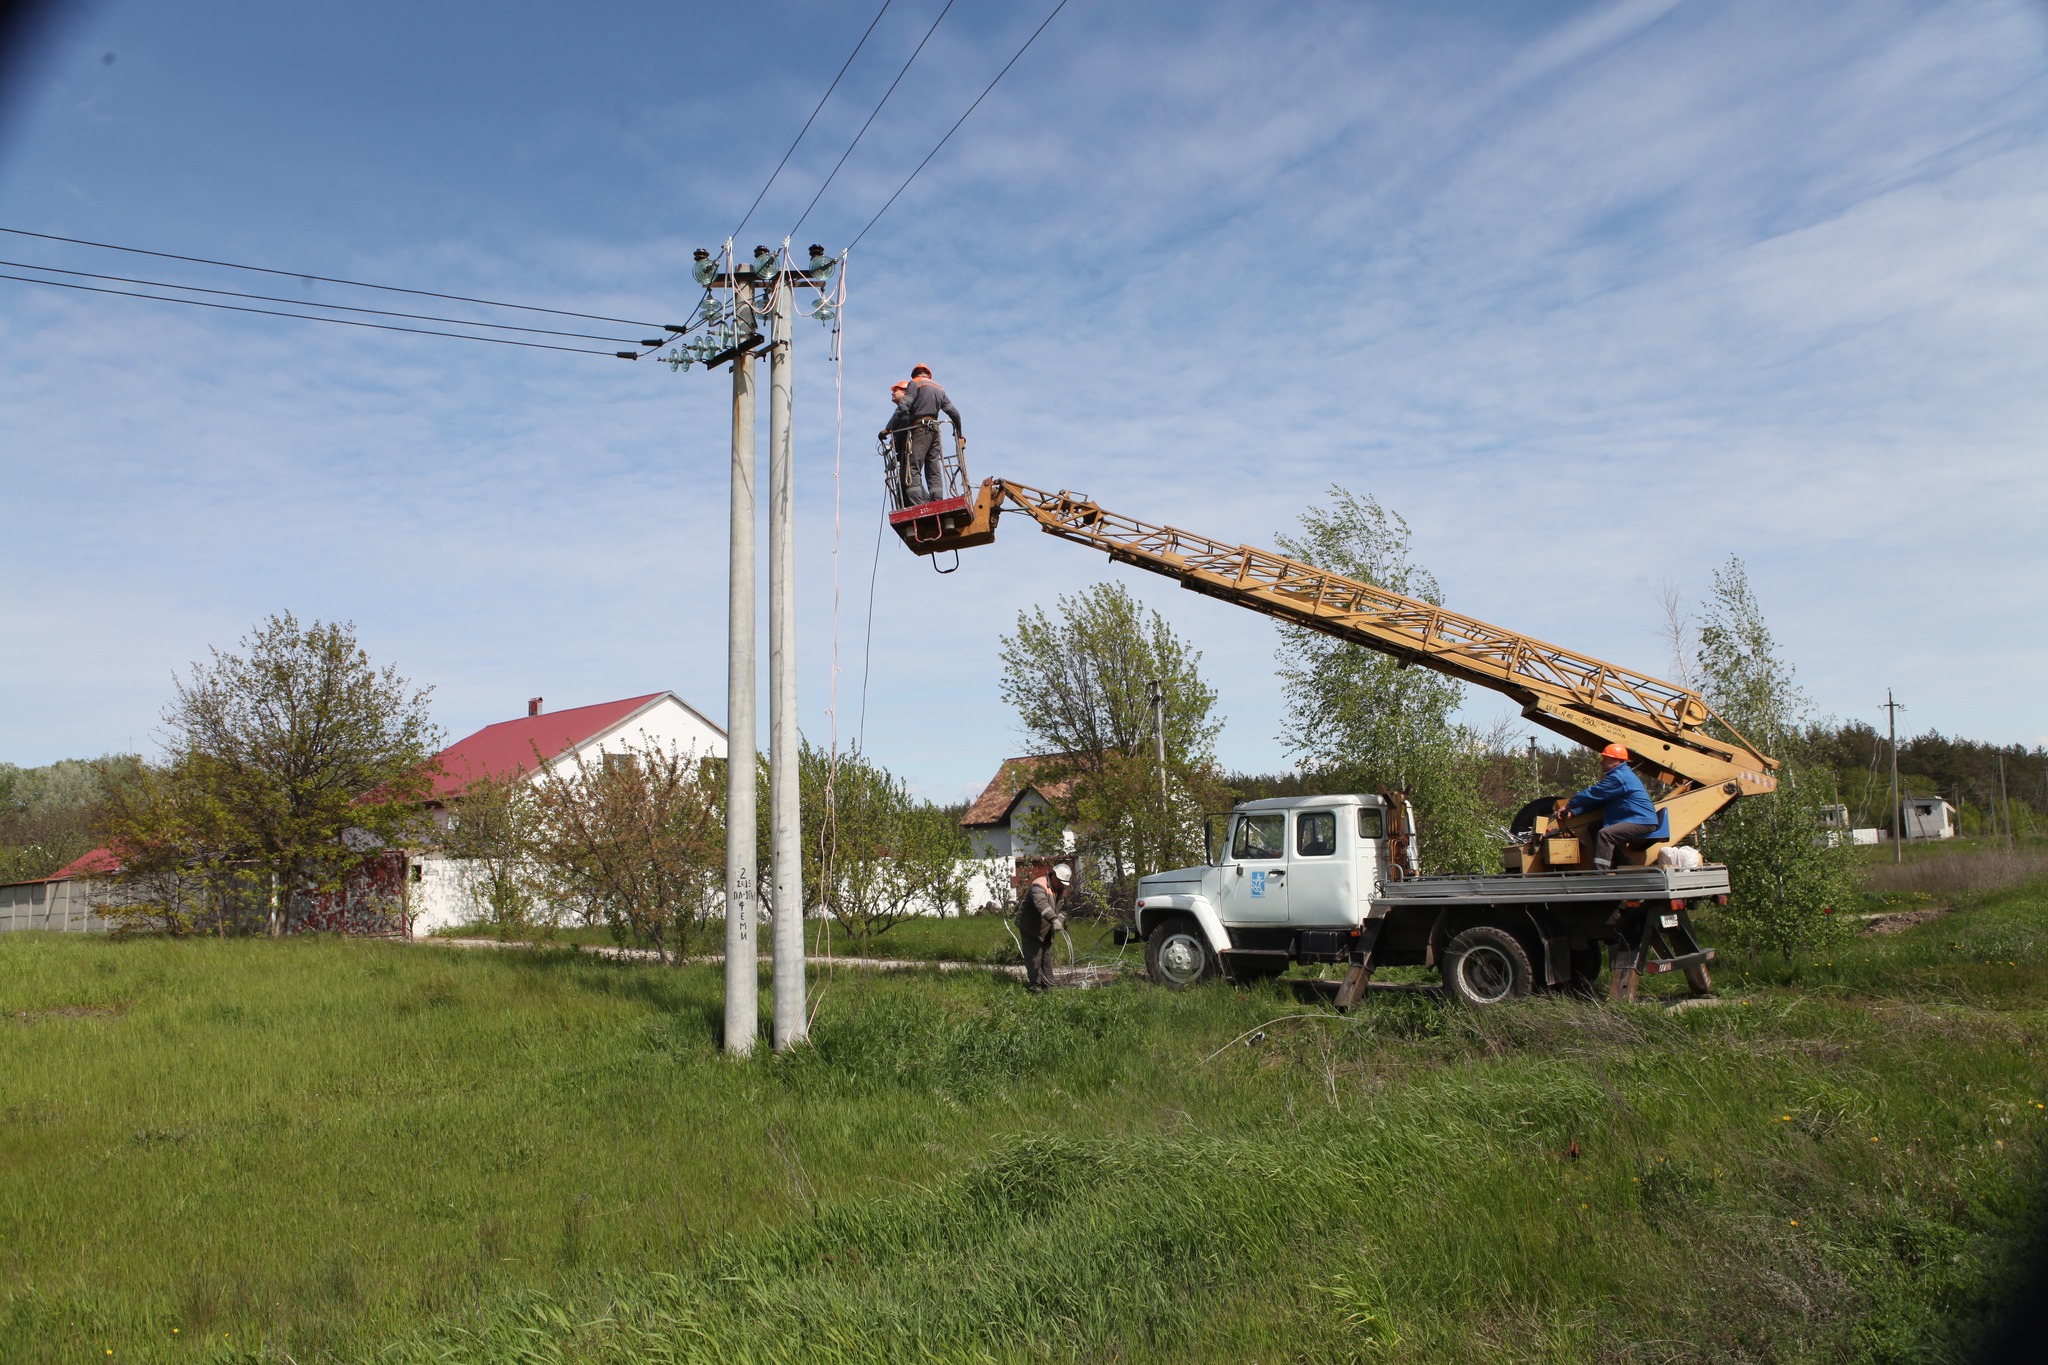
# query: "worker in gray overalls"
1041,914
923,478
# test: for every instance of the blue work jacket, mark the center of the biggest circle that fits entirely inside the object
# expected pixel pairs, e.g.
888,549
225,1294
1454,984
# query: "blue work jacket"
1621,796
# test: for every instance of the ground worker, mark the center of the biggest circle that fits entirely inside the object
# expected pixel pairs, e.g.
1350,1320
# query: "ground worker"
1040,915
1626,812
896,432
922,480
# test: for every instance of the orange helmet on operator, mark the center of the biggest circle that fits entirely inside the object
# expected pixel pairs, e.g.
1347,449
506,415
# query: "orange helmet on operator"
916,370
1615,751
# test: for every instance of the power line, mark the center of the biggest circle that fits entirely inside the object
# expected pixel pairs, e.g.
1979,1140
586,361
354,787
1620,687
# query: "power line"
328,279
308,303
809,121
957,122
309,317
871,117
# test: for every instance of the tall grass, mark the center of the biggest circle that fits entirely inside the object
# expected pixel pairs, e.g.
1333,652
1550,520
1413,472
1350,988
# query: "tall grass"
374,1152
1981,869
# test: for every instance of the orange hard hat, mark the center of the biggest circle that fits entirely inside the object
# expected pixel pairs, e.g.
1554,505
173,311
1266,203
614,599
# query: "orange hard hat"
1615,751
899,386
916,370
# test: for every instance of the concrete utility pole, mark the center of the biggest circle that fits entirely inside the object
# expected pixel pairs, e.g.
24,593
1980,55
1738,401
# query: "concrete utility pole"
742,970
786,839
1892,710
1158,691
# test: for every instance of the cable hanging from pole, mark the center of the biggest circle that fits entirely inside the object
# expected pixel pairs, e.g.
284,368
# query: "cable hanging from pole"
820,107
309,317
871,118
328,279
956,124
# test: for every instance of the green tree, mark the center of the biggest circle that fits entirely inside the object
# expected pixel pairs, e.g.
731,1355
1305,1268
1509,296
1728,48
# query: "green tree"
1786,877
1358,720
183,868
635,841
876,854
297,761
1080,682
492,832
46,813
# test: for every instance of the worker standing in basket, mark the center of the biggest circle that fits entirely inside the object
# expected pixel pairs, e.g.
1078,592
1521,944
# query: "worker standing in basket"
1626,811
1041,915
922,480
896,432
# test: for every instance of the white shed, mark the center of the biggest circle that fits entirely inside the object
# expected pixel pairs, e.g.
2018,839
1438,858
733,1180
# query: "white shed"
1929,817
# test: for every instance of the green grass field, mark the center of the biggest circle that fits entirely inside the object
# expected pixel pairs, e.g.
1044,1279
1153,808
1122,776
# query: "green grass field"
325,1149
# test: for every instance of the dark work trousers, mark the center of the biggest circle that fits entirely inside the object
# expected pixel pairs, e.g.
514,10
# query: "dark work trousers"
1037,947
1612,836
922,480
899,458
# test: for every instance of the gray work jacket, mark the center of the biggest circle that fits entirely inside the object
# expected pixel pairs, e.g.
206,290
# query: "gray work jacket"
927,400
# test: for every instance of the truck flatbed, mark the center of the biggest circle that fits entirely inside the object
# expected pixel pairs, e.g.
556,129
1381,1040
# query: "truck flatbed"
1556,888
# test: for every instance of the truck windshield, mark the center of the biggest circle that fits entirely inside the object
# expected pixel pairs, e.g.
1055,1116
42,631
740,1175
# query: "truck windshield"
1259,836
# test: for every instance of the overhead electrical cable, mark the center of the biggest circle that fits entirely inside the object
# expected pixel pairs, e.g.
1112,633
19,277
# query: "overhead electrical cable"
309,303
871,117
311,317
812,119
957,122
329,279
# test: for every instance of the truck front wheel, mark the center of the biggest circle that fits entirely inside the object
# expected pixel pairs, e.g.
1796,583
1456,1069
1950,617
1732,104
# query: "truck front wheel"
1177,955
1487,966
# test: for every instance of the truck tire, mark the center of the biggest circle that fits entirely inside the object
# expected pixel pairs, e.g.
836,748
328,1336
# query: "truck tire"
1177,954
1487,966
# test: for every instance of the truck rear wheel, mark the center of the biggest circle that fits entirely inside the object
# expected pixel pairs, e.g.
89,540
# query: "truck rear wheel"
1177,954
1487,966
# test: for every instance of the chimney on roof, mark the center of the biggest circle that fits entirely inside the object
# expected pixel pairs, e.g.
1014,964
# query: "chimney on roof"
533,706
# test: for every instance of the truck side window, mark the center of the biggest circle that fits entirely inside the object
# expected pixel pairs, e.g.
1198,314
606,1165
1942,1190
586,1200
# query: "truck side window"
1315,834
1372,823
1259,836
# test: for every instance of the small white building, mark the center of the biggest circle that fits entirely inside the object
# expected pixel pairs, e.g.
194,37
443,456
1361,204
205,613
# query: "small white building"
546,742
1929,817
998,843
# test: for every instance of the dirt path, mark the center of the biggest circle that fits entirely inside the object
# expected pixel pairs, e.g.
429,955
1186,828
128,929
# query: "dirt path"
1065,976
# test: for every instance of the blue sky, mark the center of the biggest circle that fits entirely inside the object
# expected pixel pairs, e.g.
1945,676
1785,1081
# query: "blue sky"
1595,295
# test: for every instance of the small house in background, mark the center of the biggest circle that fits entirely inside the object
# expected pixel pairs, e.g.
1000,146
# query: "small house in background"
998,827
61,902
537,743
1929,817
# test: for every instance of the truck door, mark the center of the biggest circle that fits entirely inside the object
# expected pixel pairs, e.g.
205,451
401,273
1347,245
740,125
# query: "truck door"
1254,889
1321,880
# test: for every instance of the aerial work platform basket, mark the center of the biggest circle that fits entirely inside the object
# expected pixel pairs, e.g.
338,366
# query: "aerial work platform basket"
960,519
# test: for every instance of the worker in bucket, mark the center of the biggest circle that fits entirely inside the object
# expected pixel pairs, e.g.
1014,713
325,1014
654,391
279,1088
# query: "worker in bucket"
1626,811
896,432
922,481
1040,915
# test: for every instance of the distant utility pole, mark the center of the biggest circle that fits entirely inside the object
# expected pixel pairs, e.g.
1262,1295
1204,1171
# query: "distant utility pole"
2004,802
1158,691
742,968
785,817
1892,710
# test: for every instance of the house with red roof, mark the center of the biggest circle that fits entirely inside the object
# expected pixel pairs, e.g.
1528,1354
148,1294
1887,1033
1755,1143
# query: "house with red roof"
545,742
425,889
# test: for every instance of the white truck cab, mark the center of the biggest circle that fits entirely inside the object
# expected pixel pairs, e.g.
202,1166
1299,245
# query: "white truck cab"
1280,865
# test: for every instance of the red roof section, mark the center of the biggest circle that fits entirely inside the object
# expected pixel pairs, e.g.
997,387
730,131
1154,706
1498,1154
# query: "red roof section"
99,860
1011,781
507,748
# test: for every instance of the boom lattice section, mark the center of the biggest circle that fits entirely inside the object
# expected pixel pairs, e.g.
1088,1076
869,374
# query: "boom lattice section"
1586,699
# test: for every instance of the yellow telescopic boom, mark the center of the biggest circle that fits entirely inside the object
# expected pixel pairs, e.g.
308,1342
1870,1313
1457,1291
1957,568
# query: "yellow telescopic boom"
1664,726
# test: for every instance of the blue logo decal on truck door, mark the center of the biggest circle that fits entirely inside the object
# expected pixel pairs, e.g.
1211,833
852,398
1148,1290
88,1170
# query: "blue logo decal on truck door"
1258,884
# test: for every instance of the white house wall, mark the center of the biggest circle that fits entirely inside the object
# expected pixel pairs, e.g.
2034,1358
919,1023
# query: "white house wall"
666,726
